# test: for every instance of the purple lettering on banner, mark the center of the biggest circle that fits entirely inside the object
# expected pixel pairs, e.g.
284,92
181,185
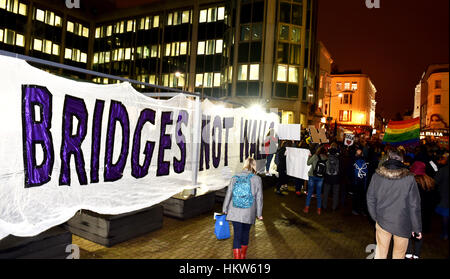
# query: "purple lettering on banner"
179,165
37,132
117,113
71,144
228,123
165,142
96,137
217,124
204,146
253,139
242,140
137,170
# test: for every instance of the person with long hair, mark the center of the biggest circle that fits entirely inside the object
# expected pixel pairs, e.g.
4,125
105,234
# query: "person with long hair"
428,200
243,203
316,175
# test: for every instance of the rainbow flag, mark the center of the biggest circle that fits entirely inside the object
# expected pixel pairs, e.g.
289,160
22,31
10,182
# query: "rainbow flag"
405,132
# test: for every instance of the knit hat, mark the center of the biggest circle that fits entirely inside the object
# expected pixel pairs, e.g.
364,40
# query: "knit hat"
418,168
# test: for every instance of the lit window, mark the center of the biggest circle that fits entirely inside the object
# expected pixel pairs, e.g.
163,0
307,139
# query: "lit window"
20,40
128,54
216,79
169,19
37,44
198,80
58,21
219,46
83,57
3,4
155,21
152,79
201,48
85,32
347,86
338,86
185,17
220,13
109,31
230,74
354,86
167,53
68,53
212,14
47,47
295,35
50,18
97,32
130,25
254,72
242,73
203,15
70,26
293,74
95,58
183,48
284,32
107,57
40,15
210,47
282,73
180,80
23,9
154,51
147,23
174,49
208,80
1,35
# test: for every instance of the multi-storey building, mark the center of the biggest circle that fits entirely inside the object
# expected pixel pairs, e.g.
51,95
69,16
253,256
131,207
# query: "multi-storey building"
434,103
324,87
248,51
352,101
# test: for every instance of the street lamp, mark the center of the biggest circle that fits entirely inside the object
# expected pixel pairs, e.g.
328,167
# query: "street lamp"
178,75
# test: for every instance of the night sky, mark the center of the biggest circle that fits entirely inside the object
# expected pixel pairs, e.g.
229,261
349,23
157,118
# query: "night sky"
393,44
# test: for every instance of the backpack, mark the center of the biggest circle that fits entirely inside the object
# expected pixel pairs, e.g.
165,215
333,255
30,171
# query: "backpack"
361,169
242,191
332,165
321,168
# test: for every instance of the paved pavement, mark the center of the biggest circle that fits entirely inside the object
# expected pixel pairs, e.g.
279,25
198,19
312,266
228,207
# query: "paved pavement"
285,233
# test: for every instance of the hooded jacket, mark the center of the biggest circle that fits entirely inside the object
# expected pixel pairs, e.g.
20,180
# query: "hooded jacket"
393,199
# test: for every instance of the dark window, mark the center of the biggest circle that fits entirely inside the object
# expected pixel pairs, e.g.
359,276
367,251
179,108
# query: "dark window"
258,12
255,52
253,89
437,99
280,89
243,52
283,53
241,88
297,13
438,84
292,91
246,11
285,13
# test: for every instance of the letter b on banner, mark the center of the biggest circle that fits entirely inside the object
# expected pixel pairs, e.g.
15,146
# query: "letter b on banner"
37,120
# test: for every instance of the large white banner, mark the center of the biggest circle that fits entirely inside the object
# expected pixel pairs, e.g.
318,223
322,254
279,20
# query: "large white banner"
67,145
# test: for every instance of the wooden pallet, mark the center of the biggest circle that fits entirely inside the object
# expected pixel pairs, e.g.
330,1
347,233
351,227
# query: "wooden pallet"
190,207
109,230
50,244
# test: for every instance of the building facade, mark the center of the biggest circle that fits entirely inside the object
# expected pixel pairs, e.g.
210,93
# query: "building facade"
351,104
417,92
324,86
434,103
248,51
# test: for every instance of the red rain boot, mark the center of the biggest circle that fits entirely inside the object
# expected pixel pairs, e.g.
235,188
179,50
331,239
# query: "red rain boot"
237,253
244,251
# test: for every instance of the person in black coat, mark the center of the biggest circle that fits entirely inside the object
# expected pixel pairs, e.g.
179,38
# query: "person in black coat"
393,202
280,160
428,201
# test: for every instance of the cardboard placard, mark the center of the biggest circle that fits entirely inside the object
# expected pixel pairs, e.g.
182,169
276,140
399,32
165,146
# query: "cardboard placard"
349,139
317,135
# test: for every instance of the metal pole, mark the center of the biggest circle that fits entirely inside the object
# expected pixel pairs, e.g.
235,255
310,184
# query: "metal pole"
196,141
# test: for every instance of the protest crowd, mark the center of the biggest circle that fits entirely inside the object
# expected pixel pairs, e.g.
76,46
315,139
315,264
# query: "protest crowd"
398,187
